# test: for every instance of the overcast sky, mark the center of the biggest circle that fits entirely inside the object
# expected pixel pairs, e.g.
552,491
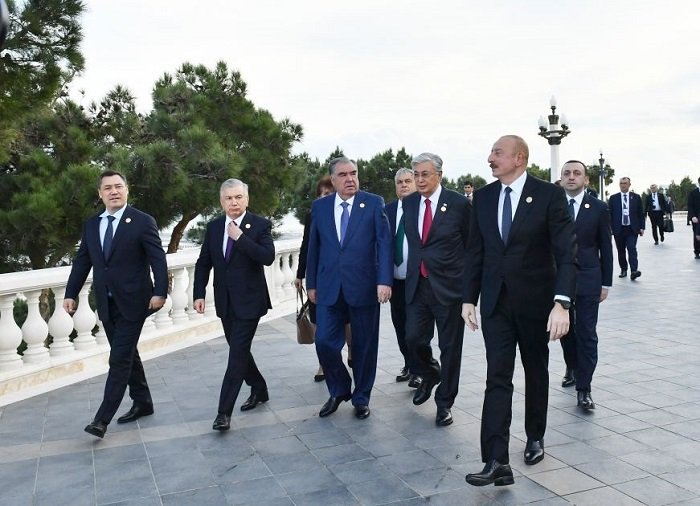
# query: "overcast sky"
447,76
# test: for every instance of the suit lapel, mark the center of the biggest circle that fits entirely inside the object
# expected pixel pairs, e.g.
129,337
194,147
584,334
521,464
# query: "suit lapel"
122,229
525,205
491,194
359,208
437,217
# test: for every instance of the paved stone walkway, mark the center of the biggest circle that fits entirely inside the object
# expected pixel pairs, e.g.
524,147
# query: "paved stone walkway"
640,446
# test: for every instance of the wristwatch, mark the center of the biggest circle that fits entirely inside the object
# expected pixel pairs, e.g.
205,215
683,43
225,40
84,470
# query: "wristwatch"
566,304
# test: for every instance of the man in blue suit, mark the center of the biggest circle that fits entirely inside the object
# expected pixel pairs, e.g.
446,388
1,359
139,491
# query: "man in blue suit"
237,246
627,221
348,274
593,280
122,246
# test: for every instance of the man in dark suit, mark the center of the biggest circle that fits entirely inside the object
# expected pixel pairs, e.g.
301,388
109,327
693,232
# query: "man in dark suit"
627,222
348,274
405,185
594,278
122,246
656,207
521,261
237,246
694,218
437,229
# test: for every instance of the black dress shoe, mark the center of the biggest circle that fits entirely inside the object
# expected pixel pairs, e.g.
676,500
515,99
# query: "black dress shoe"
415,381
585,400
425,391
254,400
493,473
534,451
96,428
319,377
623,273
332,404
135,413
569,378
361,412
404,375
443,417
656,243
635,275
222,422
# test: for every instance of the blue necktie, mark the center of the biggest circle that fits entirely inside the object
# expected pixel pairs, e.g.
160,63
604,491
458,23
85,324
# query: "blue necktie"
507,216
109,235
572,213
344,220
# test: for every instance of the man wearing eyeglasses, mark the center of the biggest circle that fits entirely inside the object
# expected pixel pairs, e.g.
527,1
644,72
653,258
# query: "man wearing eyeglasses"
437,228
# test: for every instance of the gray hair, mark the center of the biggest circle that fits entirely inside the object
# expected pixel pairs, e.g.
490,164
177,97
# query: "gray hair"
402,171
337,160
428,157
231,183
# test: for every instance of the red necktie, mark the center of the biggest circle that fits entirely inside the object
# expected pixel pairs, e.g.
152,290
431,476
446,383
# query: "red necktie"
427,222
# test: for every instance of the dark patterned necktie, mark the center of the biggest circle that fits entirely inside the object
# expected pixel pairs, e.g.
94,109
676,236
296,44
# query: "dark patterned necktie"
507,215
109,235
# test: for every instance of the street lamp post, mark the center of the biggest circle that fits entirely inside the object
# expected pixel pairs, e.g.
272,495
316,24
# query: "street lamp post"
603,174
554,133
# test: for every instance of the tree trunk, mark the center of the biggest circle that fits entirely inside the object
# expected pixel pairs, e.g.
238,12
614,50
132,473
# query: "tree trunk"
179,231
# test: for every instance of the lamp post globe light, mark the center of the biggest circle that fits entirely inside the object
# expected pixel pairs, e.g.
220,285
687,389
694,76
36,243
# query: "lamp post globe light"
554,132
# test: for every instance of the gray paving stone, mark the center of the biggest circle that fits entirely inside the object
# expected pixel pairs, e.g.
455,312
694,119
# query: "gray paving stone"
601,496
196,497
253,491
655,491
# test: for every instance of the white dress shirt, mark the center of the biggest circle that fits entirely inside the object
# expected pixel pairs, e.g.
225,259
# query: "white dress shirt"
238,222
338,211
434,198
104,222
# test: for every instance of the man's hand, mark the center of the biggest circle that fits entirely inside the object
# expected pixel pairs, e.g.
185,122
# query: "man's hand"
641,232
198,305
383,293
156,303
69,305
694,219
298,284
603,294
311,293
558,322
469,315
234,231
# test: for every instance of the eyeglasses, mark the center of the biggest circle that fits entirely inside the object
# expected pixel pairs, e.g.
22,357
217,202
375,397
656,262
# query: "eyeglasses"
424,175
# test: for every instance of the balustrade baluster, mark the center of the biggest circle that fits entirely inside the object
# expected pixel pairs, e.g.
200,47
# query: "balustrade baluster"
34,331
60,326
84,321
10,335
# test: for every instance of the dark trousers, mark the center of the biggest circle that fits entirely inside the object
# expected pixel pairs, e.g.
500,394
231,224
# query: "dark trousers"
241,366
580,345
626,243
696,233
422,315
125,367
657,224
398,318
503,330
330,339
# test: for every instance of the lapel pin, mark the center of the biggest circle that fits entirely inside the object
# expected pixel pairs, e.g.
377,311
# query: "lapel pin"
128,220
528,200
362,204
586,206
443,208
247,225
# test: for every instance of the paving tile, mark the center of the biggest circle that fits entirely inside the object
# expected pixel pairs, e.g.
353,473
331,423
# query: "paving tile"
602,496
341,454
253,491
565,481
385,490
300,483
196,497
611,471
337,496
654,491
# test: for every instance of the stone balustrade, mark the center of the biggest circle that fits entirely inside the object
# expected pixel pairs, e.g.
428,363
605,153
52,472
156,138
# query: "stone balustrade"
40,368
